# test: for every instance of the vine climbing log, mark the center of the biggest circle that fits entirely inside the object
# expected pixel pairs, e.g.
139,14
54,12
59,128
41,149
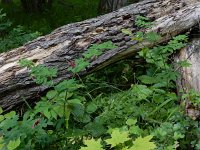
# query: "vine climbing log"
69,42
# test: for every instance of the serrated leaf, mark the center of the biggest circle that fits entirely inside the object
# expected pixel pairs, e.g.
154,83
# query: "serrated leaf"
143,143
106,45
13,144
59,110
74,102
10,115
131,122
80,65
142,21
135,130
26,63
180,38
147,79
92,107
92,127
117,137
152,36
47,113
51,94
92,145
69,85
141,91
92,52
86,118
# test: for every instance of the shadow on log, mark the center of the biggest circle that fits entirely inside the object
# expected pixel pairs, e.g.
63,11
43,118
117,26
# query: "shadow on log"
69,42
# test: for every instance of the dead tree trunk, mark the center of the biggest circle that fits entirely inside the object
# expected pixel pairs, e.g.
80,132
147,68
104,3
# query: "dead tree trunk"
71,41
111,5
190,76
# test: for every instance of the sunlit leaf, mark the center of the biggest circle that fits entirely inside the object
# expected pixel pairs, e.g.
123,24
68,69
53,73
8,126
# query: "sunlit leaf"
117,137
13,144
92,145
143,143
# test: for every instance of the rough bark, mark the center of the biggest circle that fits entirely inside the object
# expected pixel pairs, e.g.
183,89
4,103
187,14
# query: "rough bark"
190,76
69,42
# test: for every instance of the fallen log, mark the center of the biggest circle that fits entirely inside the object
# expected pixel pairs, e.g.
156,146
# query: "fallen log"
69,42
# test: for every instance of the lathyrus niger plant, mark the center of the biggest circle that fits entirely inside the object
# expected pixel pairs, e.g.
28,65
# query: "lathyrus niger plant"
140,111
12,37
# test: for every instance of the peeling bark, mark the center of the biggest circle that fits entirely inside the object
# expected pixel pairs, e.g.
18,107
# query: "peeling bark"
69,42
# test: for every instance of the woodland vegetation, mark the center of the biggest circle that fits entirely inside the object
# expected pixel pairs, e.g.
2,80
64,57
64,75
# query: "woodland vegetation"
125,80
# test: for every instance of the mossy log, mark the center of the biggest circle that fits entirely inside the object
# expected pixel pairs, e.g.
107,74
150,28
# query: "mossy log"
67,43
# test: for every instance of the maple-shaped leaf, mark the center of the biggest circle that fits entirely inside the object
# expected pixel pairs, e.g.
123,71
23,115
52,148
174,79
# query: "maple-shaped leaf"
117,137
92,144
143,143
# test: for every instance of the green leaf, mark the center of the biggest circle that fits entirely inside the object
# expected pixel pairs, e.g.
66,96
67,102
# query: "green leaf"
59,110
26,63
1,142
152,36
127,31
92,145
1,110
86,118
78,112
184,63
135,130
74,102
69,85
106,45
43,74
92,52
131,122
10,115
92,107
47,113
117,137
80,65
138,36
13,144
143,143
147,79
51,94
1,118
92,127
181,38
142,21
141,91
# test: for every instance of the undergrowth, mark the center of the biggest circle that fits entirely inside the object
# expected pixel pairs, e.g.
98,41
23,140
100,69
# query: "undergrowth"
11,36
125,106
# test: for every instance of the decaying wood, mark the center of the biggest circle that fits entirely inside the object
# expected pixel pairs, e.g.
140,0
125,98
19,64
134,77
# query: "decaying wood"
69,42
190,76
